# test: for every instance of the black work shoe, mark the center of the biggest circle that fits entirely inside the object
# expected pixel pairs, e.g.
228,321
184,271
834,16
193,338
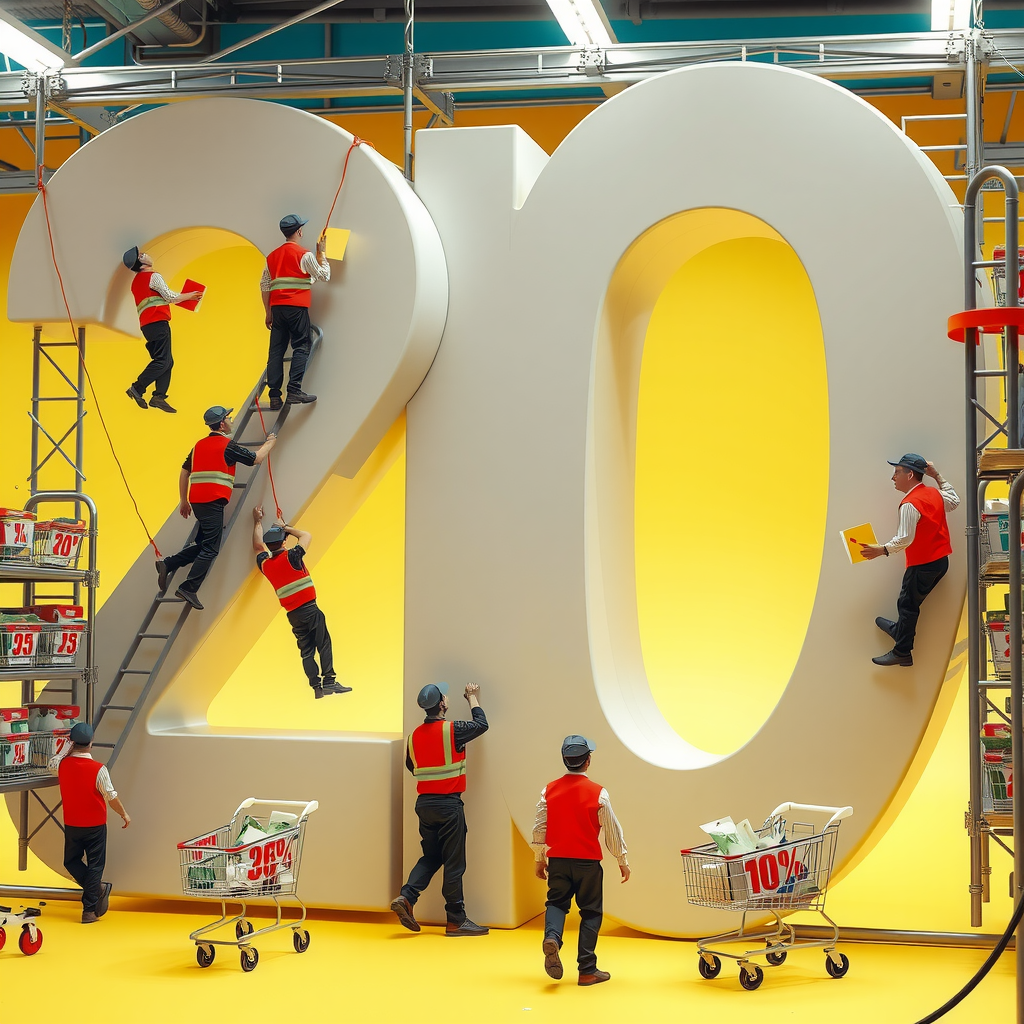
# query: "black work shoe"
189,598
161,403
103,903
137,396
333,686
88,917
318,691
593,979
276,403
886,626
467,927
892,658
161,575
403,909
299,398
552,961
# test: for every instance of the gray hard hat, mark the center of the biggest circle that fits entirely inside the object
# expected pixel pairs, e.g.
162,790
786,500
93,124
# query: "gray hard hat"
82,734
216,415
431,694
291,222
274,535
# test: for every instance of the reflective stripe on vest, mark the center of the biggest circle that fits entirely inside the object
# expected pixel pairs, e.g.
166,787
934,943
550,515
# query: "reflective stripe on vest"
153,300
447,777
150,305
289,282
293,588
289,286
211,477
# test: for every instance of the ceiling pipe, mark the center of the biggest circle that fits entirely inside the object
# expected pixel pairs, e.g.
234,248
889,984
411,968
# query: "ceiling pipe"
185,32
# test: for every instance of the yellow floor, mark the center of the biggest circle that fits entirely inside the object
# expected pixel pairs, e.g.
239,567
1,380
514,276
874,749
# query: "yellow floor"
137,965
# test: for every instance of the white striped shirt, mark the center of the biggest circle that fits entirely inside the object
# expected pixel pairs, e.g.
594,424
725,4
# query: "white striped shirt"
159,285
317,271
910,517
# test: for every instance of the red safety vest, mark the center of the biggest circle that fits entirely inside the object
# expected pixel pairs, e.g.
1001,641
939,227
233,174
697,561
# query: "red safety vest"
931,540
289,283
294,587
436,765
83,803
211,477
150,305
573,827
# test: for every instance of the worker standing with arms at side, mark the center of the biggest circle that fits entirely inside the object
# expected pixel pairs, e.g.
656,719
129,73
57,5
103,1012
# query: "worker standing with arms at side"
286,287
570,816
288,575
436,756
85,791
205,485
153,301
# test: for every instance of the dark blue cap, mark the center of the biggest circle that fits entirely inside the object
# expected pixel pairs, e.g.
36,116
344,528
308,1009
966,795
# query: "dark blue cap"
274,535
215,415
82,734
911,461
576,748
431,694
131,258
291,223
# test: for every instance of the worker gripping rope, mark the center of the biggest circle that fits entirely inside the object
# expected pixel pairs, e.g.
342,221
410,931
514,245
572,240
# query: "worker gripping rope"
205,485
286,287
287,573
153,301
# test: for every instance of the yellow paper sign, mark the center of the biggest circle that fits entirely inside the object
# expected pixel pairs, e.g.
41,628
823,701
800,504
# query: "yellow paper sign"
337,242
854,537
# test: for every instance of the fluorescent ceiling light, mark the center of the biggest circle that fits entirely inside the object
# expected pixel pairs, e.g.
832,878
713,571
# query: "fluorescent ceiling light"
583,22
28,47
948,15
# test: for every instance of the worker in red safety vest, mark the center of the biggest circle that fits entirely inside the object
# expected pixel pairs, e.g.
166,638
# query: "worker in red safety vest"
293,585
85,791
924,535
287,290
205,485
153,301
436,756
570,816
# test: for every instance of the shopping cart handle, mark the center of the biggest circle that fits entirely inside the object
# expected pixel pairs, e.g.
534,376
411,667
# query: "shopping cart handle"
838,813
308,807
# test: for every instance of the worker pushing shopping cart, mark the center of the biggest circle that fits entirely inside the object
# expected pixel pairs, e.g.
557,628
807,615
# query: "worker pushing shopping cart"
790,872
255,856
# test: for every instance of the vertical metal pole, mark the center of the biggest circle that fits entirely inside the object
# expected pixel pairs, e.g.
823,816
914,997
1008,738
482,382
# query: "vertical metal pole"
1012,332
23,831
973,134
1016,707
410,16
40,122
33,478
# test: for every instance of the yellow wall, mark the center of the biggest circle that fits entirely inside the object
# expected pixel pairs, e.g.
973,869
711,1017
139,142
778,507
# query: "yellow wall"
917,875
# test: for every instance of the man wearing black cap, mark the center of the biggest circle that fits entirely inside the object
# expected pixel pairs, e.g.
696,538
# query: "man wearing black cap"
205,485
570,815
924,534
286,287
436,756
290,578
85,791
153,301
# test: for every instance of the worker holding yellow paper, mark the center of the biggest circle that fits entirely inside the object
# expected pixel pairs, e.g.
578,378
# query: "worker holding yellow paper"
924,535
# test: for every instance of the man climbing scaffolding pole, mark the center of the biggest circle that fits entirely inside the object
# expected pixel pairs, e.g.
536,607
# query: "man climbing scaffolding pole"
153,301
286,287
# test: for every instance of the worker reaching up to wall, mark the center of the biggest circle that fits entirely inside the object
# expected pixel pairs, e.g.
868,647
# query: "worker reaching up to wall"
153,301
290,578
205,485
287,286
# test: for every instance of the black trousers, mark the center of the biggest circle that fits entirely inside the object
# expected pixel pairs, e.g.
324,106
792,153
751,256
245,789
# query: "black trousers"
584,879
443,839
158,345
310,629
918,582
290,325
201,553
85,853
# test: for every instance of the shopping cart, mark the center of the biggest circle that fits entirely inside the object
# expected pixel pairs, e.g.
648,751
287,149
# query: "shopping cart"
31,938
781,879
228,865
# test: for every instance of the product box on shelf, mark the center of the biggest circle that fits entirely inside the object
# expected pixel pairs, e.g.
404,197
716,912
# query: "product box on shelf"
14,720
47,717
17,531
57,543
19,643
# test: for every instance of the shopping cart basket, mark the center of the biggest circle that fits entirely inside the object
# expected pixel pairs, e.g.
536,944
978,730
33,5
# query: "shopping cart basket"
781,879
237,863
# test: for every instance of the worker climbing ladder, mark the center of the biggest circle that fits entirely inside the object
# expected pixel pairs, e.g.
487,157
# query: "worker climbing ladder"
140,668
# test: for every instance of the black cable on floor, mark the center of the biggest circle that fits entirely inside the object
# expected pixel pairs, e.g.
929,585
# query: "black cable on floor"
996,953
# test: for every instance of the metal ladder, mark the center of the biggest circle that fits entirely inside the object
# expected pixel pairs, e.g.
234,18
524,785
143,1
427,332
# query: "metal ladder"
165,634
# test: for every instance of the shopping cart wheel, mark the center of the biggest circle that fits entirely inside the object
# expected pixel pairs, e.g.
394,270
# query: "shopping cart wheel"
751,981
204,955
837,970
776,958
25,943
249,958
3,938
243,928
709,970
300,940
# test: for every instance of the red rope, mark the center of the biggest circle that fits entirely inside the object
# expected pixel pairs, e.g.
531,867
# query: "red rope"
356,141
270,470
81,357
